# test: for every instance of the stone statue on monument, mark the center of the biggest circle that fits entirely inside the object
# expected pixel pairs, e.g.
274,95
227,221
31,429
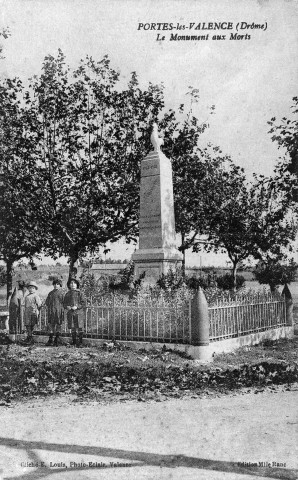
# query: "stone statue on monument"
156,141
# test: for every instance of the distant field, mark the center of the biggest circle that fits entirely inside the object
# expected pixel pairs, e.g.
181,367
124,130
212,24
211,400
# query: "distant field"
40,276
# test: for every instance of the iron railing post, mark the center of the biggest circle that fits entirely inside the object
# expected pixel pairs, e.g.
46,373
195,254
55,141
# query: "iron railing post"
288,305
114,318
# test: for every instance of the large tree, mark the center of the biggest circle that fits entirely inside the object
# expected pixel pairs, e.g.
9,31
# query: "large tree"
285,133
18,237
196,170
88,138
275,273
217,208
21,234
255,219
197,180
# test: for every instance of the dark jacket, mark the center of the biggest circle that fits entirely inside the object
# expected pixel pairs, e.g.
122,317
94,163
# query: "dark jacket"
74,298
55,307
16,311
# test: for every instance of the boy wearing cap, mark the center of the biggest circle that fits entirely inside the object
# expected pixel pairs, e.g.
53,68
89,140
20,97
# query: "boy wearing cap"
55,310
32,309
74,302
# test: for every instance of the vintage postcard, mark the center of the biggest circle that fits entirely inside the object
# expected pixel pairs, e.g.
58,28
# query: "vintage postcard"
101,399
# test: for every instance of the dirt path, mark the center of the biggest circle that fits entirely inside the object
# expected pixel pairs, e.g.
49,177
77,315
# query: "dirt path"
177,439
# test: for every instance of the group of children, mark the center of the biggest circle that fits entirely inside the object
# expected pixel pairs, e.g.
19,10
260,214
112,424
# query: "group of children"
25,308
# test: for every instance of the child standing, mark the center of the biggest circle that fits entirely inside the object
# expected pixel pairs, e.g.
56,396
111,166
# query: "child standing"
55,310
32,309
74,302
16,308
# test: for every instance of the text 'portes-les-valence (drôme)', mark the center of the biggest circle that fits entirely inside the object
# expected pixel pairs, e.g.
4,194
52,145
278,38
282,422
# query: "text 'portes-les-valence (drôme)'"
202,31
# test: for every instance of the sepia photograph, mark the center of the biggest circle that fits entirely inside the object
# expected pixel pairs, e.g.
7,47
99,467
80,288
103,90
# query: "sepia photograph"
148,239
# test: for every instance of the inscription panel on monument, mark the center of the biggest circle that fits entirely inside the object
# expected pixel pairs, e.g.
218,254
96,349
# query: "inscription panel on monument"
150,202
150,213
150,167
150,221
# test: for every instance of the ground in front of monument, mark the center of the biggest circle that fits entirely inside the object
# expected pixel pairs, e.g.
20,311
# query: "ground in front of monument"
174,431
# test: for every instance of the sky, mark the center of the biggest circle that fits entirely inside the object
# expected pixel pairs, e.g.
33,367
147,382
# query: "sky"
249,80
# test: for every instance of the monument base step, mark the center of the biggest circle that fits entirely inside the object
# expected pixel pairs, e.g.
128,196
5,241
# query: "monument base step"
157,254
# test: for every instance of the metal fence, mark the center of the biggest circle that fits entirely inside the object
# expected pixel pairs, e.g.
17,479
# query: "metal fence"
246,314
158,321
123,319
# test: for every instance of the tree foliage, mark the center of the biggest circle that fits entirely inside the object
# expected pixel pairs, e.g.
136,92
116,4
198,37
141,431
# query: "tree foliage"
216,208
251,219
196,170
276,273
4,33
285,133
21,234
71,147
74,149
90,138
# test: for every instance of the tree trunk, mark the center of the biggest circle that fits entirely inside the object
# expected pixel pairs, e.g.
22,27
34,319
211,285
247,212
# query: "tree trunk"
234,273
9,271
183,256
73,265
273,288
183,264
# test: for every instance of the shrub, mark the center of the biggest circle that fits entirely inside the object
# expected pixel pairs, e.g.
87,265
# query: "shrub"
126,282
171,281
171,297
90,287
226,282
194,282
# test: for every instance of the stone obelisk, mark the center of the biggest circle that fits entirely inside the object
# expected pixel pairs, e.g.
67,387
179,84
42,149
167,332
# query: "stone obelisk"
157,250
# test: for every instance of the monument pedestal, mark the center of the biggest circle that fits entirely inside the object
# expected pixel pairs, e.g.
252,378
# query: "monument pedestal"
155,262
157,251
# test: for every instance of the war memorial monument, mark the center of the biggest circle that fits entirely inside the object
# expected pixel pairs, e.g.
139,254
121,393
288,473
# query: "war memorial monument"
157,251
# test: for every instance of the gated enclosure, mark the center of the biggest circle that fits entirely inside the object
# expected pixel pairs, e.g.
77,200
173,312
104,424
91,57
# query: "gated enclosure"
162,321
